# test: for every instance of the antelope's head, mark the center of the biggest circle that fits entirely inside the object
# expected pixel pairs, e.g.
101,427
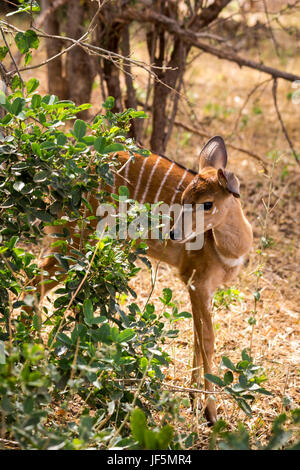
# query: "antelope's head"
212,190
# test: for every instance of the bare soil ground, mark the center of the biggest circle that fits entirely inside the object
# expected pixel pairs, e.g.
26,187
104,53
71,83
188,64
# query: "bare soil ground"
215,91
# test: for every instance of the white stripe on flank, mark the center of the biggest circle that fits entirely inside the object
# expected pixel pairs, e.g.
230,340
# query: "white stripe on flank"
181,181
149,180
140,178
113,190
163,182
127,167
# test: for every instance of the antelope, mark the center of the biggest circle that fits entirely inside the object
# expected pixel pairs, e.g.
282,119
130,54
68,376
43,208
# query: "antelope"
226,231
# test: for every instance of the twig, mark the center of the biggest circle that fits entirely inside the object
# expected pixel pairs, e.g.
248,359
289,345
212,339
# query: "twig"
234,147
194,390
77,290
4,74
270,28
258,85
117,432
177,95
285,387
8,442
12,58
294,153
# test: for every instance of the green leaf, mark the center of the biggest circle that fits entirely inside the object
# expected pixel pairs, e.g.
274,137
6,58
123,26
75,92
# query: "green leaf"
32,85
61,139
3,52
243,381
89,140
18,186
125,335
36,149
32,38
243,365
256,295
62,261
88,311
21,42
245,356
28,405
263,391
228,377
167,296
109,103
138,424
227,363
151,440
6,405
16,83
183,315
138,114
41,176
28,58
36,322
103,334
63,338
245,407
215,379
165,436
36,101
3,98
4,103
124,191
17,106
99,144
79,129
26,41
76,197
114,148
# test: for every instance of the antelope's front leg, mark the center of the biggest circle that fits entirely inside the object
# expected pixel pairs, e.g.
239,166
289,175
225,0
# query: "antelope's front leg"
203,341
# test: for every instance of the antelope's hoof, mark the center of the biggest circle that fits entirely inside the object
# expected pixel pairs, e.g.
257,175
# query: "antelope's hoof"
210,414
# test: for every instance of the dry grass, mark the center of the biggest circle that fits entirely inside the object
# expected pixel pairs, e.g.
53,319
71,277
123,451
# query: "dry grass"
275,341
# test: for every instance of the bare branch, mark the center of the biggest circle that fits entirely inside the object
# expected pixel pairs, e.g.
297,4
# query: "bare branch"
12,58
192,38
294,153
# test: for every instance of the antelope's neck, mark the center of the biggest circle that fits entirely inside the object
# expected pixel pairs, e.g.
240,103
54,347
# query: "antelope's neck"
233,238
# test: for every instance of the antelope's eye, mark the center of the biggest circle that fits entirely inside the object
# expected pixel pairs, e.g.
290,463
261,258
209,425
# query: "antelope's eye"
207,206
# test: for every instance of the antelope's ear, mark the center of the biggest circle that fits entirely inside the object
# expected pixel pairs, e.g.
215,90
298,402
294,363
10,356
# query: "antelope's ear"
213,154
229,181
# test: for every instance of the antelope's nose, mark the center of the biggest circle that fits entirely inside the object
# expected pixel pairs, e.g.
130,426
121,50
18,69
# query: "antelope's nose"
172,235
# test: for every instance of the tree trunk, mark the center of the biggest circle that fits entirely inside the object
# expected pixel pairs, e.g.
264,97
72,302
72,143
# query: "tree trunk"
130,99
80,67
56,81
